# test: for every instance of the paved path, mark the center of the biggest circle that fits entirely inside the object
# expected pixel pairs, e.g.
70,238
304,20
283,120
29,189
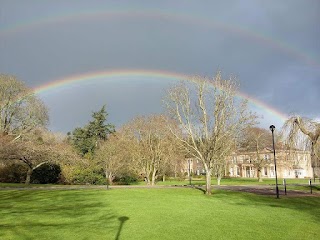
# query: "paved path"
269,190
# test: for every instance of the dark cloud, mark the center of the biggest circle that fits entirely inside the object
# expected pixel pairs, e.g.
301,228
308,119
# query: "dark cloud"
271,46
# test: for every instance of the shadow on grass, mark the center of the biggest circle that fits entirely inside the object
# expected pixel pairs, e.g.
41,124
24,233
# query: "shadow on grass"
314,188
46,214
200,189
122,221
309,205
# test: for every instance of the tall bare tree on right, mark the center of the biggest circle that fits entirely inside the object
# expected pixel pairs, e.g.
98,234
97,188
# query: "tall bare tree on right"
297,128
211,118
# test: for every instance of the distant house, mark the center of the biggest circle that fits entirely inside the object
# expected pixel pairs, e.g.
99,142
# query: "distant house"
194,167
290,164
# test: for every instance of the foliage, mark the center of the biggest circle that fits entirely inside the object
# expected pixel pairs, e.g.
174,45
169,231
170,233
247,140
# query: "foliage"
46,173
211,119
35,149
153,147
16,173
83,142
89,176
113,155
125,179
303,133
20,110
86,139
13,173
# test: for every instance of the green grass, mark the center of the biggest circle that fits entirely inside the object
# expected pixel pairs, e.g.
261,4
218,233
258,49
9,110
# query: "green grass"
235,181
195,181
22,185
155,214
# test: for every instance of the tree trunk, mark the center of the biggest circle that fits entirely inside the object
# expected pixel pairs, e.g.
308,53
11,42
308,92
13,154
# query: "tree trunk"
313,160
147,179
175,171
259,175
110,179
153,179
29,173
208,181
163,178
218,179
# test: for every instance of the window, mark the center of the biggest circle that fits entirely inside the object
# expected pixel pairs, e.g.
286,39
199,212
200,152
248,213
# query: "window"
234,159
272,171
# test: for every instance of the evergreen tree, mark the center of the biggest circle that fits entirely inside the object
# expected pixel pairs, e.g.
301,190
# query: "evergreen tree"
97,128
86,139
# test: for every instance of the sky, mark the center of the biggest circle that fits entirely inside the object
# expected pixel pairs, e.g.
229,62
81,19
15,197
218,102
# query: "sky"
124,54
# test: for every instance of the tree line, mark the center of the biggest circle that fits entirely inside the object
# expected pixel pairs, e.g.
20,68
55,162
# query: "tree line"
204,121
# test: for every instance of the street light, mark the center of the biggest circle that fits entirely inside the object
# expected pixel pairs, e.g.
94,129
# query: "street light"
189,161
272,127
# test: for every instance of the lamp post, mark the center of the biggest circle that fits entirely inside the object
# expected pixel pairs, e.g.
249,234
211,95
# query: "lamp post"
189,161
272,127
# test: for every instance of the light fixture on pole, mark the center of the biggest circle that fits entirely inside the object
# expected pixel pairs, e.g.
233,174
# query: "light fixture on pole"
189,161
272,127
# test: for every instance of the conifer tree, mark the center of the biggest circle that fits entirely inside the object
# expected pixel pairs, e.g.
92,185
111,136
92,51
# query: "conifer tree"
87,138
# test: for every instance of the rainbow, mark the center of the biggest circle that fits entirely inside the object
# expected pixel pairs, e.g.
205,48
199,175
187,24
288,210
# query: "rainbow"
94,14
151,75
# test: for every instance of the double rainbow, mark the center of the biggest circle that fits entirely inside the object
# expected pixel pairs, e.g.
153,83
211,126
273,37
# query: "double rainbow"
105,13
115,75
114,13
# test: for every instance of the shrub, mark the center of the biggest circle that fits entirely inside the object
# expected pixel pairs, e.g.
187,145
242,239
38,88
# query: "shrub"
46,173
125,179
13,173
88,176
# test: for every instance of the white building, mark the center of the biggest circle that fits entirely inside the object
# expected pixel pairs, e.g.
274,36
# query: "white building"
290,164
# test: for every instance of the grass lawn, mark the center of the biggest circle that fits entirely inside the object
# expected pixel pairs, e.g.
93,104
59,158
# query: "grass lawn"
155,214
236,181
195,181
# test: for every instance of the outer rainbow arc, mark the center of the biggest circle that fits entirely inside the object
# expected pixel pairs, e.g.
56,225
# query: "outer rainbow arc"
152,13
163,75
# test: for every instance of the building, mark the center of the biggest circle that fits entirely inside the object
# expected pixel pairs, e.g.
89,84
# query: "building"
290,164
194,167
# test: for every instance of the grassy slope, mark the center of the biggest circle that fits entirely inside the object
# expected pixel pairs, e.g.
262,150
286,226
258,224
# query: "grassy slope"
155,214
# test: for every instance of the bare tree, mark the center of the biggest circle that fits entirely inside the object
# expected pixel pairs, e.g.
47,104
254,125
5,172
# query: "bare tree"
20,110
255,140
299,129
211,118
113,155
34,150
151,145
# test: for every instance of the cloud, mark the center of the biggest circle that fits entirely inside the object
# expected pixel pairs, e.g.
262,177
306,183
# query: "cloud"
271,46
